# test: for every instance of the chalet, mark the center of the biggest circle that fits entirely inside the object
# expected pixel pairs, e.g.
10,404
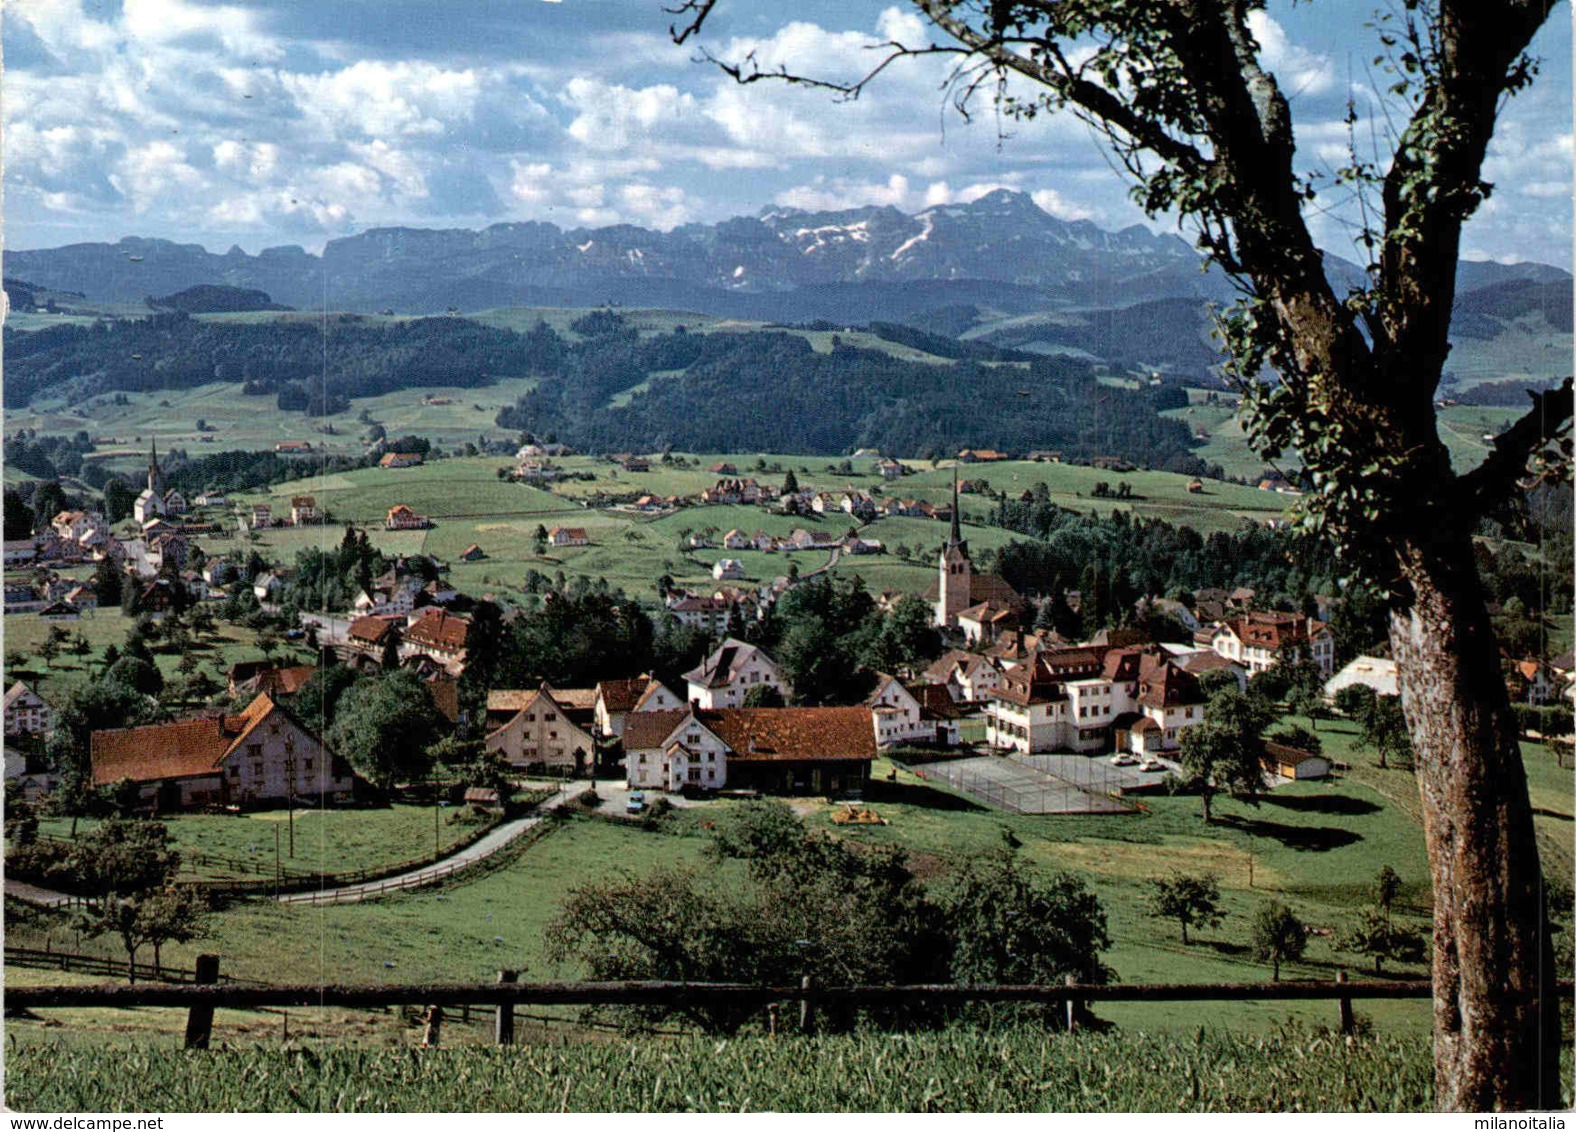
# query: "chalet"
1376,672
616,699
212,499
728,569
1291,764
775,750
1258,639
802,539
897,714
303,509
82,597
439,634
891,470
472,553
26,713
729,491
262,756
274,681
262,516
400,460
736,540
725,677
539,737
568,536
403,518
73,525
266,586
293,446
859,504
1532,681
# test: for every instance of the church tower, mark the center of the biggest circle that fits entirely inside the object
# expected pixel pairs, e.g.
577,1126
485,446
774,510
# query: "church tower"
155,476
952,594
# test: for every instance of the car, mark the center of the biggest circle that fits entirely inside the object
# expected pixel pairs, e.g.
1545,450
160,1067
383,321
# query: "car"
1124,759
1152,765
636,803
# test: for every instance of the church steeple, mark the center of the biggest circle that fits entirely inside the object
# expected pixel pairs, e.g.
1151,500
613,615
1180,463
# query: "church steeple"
155,476
955,573
957,530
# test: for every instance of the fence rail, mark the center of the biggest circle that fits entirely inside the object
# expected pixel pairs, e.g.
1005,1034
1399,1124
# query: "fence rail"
506,994
69,961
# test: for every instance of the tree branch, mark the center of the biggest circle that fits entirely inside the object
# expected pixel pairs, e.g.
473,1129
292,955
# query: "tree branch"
1495,479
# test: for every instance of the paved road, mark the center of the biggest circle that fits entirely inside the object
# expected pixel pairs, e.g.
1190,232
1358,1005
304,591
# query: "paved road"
479,851
33,894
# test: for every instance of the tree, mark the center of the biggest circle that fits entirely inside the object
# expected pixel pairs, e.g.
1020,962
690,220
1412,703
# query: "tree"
1183,96
1225,754
1387,888
763,696
1385,731
1355,701
175,913
384,725
790,483
1188,900
1377,935
49,647
1278,936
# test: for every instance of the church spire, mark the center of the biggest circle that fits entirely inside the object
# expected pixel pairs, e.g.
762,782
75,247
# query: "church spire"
957,533
155,476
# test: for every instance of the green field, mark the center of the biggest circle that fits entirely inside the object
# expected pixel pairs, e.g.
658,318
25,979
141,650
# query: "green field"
327,841
1020,1070
24,632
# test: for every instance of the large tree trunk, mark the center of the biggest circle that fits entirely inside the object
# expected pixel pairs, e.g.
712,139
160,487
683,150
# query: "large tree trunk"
1496,1023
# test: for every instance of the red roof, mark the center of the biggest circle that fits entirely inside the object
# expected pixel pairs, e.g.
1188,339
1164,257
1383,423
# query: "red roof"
439,629
372,630
801,734
173,750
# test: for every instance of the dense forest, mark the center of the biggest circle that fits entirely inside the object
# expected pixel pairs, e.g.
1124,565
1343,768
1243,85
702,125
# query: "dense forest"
766,390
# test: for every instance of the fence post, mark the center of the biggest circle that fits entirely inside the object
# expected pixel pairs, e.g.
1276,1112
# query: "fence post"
806,1012
199,1020
430,1037
1072,1005
1348,1023
503,1024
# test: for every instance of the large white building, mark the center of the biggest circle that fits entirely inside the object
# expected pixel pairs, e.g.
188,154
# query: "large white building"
26,714
1091,699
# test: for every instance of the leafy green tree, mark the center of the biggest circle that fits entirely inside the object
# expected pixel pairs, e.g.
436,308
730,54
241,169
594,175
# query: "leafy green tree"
1225,753
1188,900
1185,96
1278,936
175,913
137,674
1387,889
1385,731
384,725
1376,934
1355,701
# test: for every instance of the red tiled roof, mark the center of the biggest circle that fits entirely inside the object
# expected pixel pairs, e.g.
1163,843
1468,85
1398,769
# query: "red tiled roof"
172,750
439,629
621,695
372,630
647,730
780,734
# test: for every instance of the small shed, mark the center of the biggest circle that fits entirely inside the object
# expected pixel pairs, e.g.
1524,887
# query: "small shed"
1294,764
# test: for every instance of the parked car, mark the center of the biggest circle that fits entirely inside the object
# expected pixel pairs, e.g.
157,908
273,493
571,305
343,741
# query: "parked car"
1152,765
636,803
1124,759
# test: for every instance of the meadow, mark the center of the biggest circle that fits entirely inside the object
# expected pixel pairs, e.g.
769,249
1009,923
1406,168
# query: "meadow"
1014,1070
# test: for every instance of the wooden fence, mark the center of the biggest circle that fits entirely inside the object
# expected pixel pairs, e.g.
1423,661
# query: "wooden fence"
202,999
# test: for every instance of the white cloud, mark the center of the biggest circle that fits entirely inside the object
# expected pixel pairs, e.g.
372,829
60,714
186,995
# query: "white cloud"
1297,70
380,100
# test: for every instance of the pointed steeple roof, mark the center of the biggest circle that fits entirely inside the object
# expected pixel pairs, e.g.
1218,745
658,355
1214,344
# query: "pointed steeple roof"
955,541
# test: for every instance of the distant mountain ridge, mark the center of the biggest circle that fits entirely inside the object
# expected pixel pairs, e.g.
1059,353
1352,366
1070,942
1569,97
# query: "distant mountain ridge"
783,264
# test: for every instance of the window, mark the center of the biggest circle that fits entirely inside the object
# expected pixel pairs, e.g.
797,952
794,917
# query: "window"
235,772
552,734
548,717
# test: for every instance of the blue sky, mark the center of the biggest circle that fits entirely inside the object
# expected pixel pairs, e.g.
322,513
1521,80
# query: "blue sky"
287,122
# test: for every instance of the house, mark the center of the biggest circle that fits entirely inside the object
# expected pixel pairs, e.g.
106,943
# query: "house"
26,713
637,464
984,623
723,469
725,677
736,540
1202,661
891,470
212,499
472,553
1257,639
262,516
439,634
266,585
615,699
728,569
904,714
400,460
539,737
1089,699
1376,672
82,597
568,536
21,551
403,518
774,750
275,681
980,455
293,446
263,756
1532,681
1291,764
372,636
303,509
59,611
707,613
968,677
859,504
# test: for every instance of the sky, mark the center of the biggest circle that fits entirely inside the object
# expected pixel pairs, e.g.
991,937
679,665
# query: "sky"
291,122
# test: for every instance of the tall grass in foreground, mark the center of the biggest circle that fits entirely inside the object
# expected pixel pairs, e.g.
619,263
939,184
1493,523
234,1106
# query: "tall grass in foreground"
959,1070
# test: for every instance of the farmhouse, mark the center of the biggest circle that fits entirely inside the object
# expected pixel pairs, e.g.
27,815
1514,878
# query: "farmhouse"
539,736
568,536
728,569
726,676
400,460
372,636
293,446
616,699
303,509
472,553
968,677
262,516
262,756
404,518
918,714
26,713
776,750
